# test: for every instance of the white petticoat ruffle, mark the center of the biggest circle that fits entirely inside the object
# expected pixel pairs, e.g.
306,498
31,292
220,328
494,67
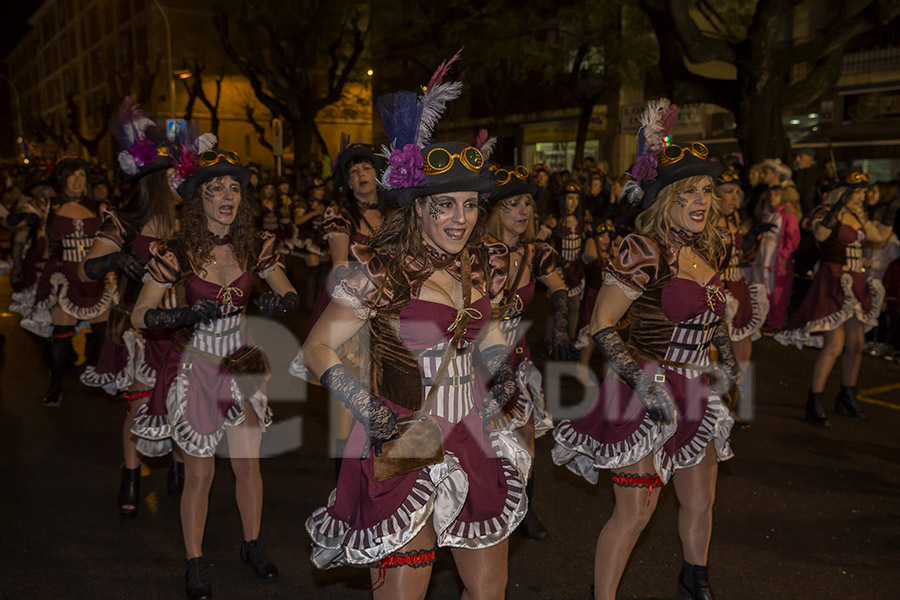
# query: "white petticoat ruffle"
530,401
759,306
136,368
850,307
439,494
59,289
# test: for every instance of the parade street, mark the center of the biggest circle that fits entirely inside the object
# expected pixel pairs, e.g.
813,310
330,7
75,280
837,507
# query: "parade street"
801,512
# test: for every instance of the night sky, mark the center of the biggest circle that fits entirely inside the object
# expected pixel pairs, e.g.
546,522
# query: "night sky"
14,24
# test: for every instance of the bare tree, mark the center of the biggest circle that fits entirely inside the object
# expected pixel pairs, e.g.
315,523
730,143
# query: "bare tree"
194,87
297,61
750,41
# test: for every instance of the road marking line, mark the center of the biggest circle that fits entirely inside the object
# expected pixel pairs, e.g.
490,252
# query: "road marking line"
878,390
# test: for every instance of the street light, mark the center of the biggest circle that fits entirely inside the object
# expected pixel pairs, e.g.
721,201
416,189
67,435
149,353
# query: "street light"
168,57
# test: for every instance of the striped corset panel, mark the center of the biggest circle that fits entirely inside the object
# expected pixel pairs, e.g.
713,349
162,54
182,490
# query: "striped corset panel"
853,259
509,326
690,343
732,272
456,394
571,247
222,336
75,246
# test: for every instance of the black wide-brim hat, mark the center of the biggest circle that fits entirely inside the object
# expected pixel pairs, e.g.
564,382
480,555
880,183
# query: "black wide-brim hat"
160,164
351,153
222,167
688,166
458,178
71,164
514,187
853,178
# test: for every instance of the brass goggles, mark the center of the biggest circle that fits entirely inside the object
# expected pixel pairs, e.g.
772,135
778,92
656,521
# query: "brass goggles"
856,177
502,176
210,157
727,177
439,160
672,154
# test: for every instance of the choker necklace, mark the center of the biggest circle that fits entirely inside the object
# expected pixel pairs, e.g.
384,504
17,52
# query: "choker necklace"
366,205
438,258
222,241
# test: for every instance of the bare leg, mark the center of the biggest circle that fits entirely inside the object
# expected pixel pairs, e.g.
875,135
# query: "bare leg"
634,507
129,447
406,582
483,572
696,490
854,340
243,444
834,344
742,351
198,477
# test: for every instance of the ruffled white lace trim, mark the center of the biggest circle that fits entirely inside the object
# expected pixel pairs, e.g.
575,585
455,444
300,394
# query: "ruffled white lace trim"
630,293
361,311
39,322
59,289
298,369
759,306
136,368
530,401
850,307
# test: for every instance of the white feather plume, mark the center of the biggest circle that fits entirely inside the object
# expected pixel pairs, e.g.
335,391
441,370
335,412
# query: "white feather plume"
433,102
488,148
205,142
126,162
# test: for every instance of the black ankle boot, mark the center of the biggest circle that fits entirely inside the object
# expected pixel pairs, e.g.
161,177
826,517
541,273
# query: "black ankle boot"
175,479
129,490
196,579
252,554
531,525
59,359
815,412
846,402
692,583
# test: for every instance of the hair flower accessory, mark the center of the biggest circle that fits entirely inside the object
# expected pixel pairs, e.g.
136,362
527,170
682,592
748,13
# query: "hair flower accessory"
407,167
645,168
143,151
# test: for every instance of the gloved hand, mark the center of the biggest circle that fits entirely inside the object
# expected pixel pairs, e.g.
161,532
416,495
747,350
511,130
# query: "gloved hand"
496,359
378,419
202,310
272,304
831,218
727,373
127,262
560,346
654,396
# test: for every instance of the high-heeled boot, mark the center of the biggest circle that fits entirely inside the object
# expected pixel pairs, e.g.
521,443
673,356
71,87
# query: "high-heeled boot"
846,402
531,525
59,359
129,490
693,584
815,412
196,579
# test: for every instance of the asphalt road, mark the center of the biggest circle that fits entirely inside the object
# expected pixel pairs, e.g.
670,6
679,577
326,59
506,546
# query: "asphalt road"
801,512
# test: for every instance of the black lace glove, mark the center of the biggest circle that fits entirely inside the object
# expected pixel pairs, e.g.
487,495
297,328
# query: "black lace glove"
890,213
272,304
496,359
653,395
831,218
203,310
379,420
127,262
559,346
727,373
756,230
29,218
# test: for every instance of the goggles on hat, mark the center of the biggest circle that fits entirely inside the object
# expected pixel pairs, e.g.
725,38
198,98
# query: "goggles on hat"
502,176
605,228
210,157
440,160
541,167
856,177
727,177
672,154
572,188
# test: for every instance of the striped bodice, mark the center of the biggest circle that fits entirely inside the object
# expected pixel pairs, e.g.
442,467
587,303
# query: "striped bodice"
853,261
456,395
77,244
732,271
222,336
570,246
690,343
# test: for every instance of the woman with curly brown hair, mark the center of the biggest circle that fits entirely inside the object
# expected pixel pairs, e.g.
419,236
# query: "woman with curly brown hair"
660,413
212,379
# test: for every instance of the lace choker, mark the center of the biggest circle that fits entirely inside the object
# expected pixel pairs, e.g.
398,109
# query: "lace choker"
366,205
437,258
222,241
683,238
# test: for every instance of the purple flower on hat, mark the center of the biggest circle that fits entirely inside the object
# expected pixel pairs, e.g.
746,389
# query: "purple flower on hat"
406,167
144,152
645,167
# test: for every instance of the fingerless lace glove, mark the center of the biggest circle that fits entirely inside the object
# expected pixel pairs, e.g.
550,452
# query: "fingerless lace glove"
272,304
203,310
496,359
127,262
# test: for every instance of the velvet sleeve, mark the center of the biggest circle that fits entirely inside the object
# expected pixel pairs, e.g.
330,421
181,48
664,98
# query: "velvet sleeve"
267,259
167,262
545,259
490,277
334,223
113,229
362,284
636,266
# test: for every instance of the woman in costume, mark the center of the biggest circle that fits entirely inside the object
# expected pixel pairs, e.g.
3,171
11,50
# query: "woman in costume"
62,299
511,220
598,251
211,380
660,414
130,359
29,242
568,237
843,300
423,286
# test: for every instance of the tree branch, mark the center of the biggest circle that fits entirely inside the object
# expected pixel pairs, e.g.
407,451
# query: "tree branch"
697,47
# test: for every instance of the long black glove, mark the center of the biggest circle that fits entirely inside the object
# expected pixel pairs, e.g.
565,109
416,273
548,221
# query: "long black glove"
379,420
29,218
559,346
831,218
203,310
756,230
653,395
729,373
496,359
127,262
272,304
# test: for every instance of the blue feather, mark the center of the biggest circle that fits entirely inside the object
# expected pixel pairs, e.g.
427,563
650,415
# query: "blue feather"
400,113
